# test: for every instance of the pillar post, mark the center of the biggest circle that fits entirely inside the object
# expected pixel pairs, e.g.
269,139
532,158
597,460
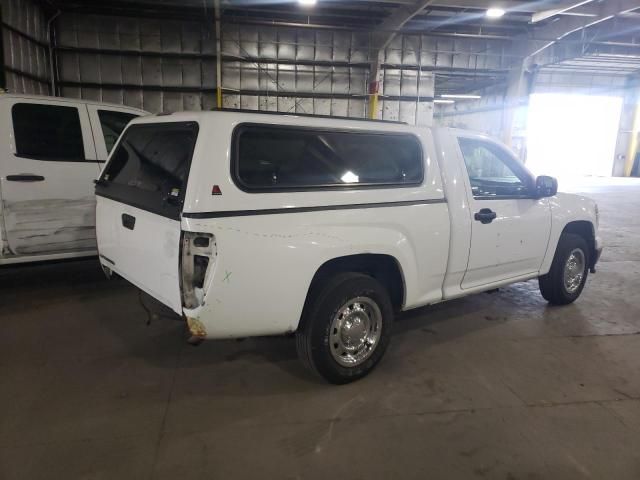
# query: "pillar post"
374,87
515,109
218,56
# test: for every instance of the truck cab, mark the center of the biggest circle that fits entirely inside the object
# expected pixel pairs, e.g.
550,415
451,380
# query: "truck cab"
251,224
52,150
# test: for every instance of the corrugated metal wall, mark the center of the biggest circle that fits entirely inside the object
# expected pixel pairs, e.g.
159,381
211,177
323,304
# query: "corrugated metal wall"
24,38
157,65
168,65
321,72
162,65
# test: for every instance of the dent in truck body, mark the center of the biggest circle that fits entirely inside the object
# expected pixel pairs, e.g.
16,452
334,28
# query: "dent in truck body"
71,228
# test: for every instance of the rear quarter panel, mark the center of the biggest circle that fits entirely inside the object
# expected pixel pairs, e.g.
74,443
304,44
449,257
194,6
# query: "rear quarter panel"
265,263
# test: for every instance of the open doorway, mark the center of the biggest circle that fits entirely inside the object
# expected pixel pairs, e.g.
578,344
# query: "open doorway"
572,135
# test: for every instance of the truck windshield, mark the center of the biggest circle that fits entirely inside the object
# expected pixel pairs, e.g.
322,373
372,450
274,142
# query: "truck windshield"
150,166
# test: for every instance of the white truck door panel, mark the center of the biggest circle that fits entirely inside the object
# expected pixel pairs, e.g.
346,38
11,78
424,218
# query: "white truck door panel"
47,177
510,246
509,228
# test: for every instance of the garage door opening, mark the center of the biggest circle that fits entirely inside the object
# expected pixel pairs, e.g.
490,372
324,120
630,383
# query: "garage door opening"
572,135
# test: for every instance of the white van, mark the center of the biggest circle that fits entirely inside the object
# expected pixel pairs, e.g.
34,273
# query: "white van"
52,150
252,224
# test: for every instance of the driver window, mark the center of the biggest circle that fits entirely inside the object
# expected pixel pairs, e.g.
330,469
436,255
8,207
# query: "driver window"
493,173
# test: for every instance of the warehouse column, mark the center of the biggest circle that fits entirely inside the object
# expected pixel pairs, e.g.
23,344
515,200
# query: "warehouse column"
381,38
374,89
514,113
218,55
628,136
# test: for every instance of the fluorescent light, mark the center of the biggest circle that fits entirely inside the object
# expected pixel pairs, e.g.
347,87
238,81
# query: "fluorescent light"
471,97
307,3
349,177
495,12
439,100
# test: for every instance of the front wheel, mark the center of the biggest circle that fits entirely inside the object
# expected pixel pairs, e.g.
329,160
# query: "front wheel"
346,327
568,274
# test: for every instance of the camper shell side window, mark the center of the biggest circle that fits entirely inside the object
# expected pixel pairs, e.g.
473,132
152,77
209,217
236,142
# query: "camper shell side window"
268,158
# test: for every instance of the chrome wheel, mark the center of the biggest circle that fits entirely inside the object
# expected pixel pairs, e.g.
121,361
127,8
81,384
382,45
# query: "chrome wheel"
355,331
574,270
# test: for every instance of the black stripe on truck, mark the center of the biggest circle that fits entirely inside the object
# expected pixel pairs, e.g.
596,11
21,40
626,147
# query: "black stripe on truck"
277,211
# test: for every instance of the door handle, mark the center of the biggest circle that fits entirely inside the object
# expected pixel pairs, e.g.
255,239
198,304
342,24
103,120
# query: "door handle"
485,215
128,221
25,177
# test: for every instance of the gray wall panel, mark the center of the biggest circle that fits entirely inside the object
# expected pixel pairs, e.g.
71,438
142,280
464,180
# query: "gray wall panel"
25,16
266,67
26,61
89,69
133,98
149,73
132,70
279,48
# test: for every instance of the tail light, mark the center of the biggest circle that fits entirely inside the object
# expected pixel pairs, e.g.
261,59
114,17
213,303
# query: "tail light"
198,256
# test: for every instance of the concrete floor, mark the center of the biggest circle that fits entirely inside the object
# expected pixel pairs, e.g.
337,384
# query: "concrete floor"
491,386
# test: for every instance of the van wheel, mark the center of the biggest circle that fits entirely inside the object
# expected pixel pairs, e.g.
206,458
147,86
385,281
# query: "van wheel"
345,328
565,281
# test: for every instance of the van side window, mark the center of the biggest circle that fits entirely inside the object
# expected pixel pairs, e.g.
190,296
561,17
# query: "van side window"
273,158
112,124
493,172
150,166
47,132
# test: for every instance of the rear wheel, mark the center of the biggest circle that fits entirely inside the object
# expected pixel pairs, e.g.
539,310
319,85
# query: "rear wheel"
345,328
569,270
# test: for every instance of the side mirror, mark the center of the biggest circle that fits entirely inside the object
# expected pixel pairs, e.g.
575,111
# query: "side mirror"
546,186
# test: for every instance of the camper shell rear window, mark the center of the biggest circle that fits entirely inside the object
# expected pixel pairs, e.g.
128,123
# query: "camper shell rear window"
282,158
150,167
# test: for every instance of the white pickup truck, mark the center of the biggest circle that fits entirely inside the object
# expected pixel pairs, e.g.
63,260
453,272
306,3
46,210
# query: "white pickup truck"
251,224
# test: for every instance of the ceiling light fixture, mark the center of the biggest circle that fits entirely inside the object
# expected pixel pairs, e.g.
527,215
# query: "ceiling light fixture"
439,100
462,97
307,3
495,12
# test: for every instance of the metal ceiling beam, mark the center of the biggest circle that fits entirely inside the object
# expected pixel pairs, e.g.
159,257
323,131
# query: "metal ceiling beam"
565,26
386,31
509,5
543,15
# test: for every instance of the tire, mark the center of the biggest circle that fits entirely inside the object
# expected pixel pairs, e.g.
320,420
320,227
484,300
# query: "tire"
351,304
552,285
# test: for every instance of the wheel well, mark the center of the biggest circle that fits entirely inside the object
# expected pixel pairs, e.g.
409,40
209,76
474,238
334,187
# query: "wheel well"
384,268
585,230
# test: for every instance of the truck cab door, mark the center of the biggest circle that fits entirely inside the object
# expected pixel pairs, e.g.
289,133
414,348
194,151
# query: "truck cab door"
509,227
46,176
